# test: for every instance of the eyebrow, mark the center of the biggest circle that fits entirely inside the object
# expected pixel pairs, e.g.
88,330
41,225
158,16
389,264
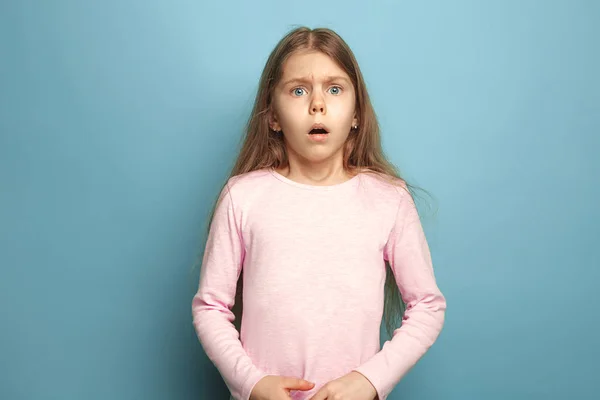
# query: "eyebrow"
307,80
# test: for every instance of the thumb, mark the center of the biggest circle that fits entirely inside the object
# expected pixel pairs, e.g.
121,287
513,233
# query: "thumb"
297,384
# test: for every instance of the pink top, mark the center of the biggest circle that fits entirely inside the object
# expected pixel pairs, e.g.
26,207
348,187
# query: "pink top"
314,274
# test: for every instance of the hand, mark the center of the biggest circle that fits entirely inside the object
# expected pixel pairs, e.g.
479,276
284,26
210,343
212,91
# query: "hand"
353,386
273,387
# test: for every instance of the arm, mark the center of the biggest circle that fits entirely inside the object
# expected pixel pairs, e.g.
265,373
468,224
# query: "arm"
408,253
211,305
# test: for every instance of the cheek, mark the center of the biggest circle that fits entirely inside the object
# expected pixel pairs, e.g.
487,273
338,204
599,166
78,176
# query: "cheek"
342,110
344,104
288,111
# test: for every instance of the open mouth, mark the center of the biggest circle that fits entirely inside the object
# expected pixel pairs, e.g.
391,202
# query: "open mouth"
318,129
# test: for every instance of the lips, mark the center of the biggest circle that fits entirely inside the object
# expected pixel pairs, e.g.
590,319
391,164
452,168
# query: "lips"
318,129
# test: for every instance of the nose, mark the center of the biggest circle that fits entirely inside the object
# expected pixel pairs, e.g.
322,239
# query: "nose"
318,105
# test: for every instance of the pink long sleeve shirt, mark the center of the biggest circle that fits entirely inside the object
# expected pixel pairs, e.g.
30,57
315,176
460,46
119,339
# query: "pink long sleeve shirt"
314,274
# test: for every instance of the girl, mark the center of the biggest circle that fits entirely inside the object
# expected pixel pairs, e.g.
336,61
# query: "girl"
318,221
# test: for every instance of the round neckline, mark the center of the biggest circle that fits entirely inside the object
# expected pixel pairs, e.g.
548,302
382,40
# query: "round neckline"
308,186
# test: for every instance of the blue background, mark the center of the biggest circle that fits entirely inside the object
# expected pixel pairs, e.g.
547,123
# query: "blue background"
119,121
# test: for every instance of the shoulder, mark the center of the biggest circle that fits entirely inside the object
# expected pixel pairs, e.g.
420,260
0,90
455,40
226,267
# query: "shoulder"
243,187
386,186
248,179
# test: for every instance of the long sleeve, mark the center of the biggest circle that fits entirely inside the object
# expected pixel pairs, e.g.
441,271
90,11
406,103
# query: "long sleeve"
211,305
408,254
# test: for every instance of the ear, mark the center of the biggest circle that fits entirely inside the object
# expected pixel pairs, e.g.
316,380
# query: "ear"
273,121
355,121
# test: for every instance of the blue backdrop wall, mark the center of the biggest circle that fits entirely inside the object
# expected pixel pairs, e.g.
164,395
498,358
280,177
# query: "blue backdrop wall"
119,121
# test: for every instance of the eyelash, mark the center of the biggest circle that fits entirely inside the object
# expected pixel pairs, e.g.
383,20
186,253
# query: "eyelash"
334,86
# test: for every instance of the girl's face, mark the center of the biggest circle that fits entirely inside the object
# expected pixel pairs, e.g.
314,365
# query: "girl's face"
313,92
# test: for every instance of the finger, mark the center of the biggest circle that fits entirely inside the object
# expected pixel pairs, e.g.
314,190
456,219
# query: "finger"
321,394
297,384
285,396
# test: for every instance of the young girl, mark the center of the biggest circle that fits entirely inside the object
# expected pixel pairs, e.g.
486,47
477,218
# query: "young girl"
312,223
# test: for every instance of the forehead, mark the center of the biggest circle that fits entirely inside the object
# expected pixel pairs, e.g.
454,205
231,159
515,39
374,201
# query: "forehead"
312,65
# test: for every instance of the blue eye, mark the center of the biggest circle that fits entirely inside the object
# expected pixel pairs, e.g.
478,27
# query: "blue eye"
298,91
335,90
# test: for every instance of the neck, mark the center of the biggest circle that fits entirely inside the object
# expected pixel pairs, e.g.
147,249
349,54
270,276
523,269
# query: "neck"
320,174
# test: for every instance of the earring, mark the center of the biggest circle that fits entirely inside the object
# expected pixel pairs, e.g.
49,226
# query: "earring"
355,126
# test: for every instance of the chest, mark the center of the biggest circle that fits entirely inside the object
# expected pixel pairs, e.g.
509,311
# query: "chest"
320,244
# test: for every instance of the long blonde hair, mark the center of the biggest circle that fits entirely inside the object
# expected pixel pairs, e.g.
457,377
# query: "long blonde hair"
264,148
